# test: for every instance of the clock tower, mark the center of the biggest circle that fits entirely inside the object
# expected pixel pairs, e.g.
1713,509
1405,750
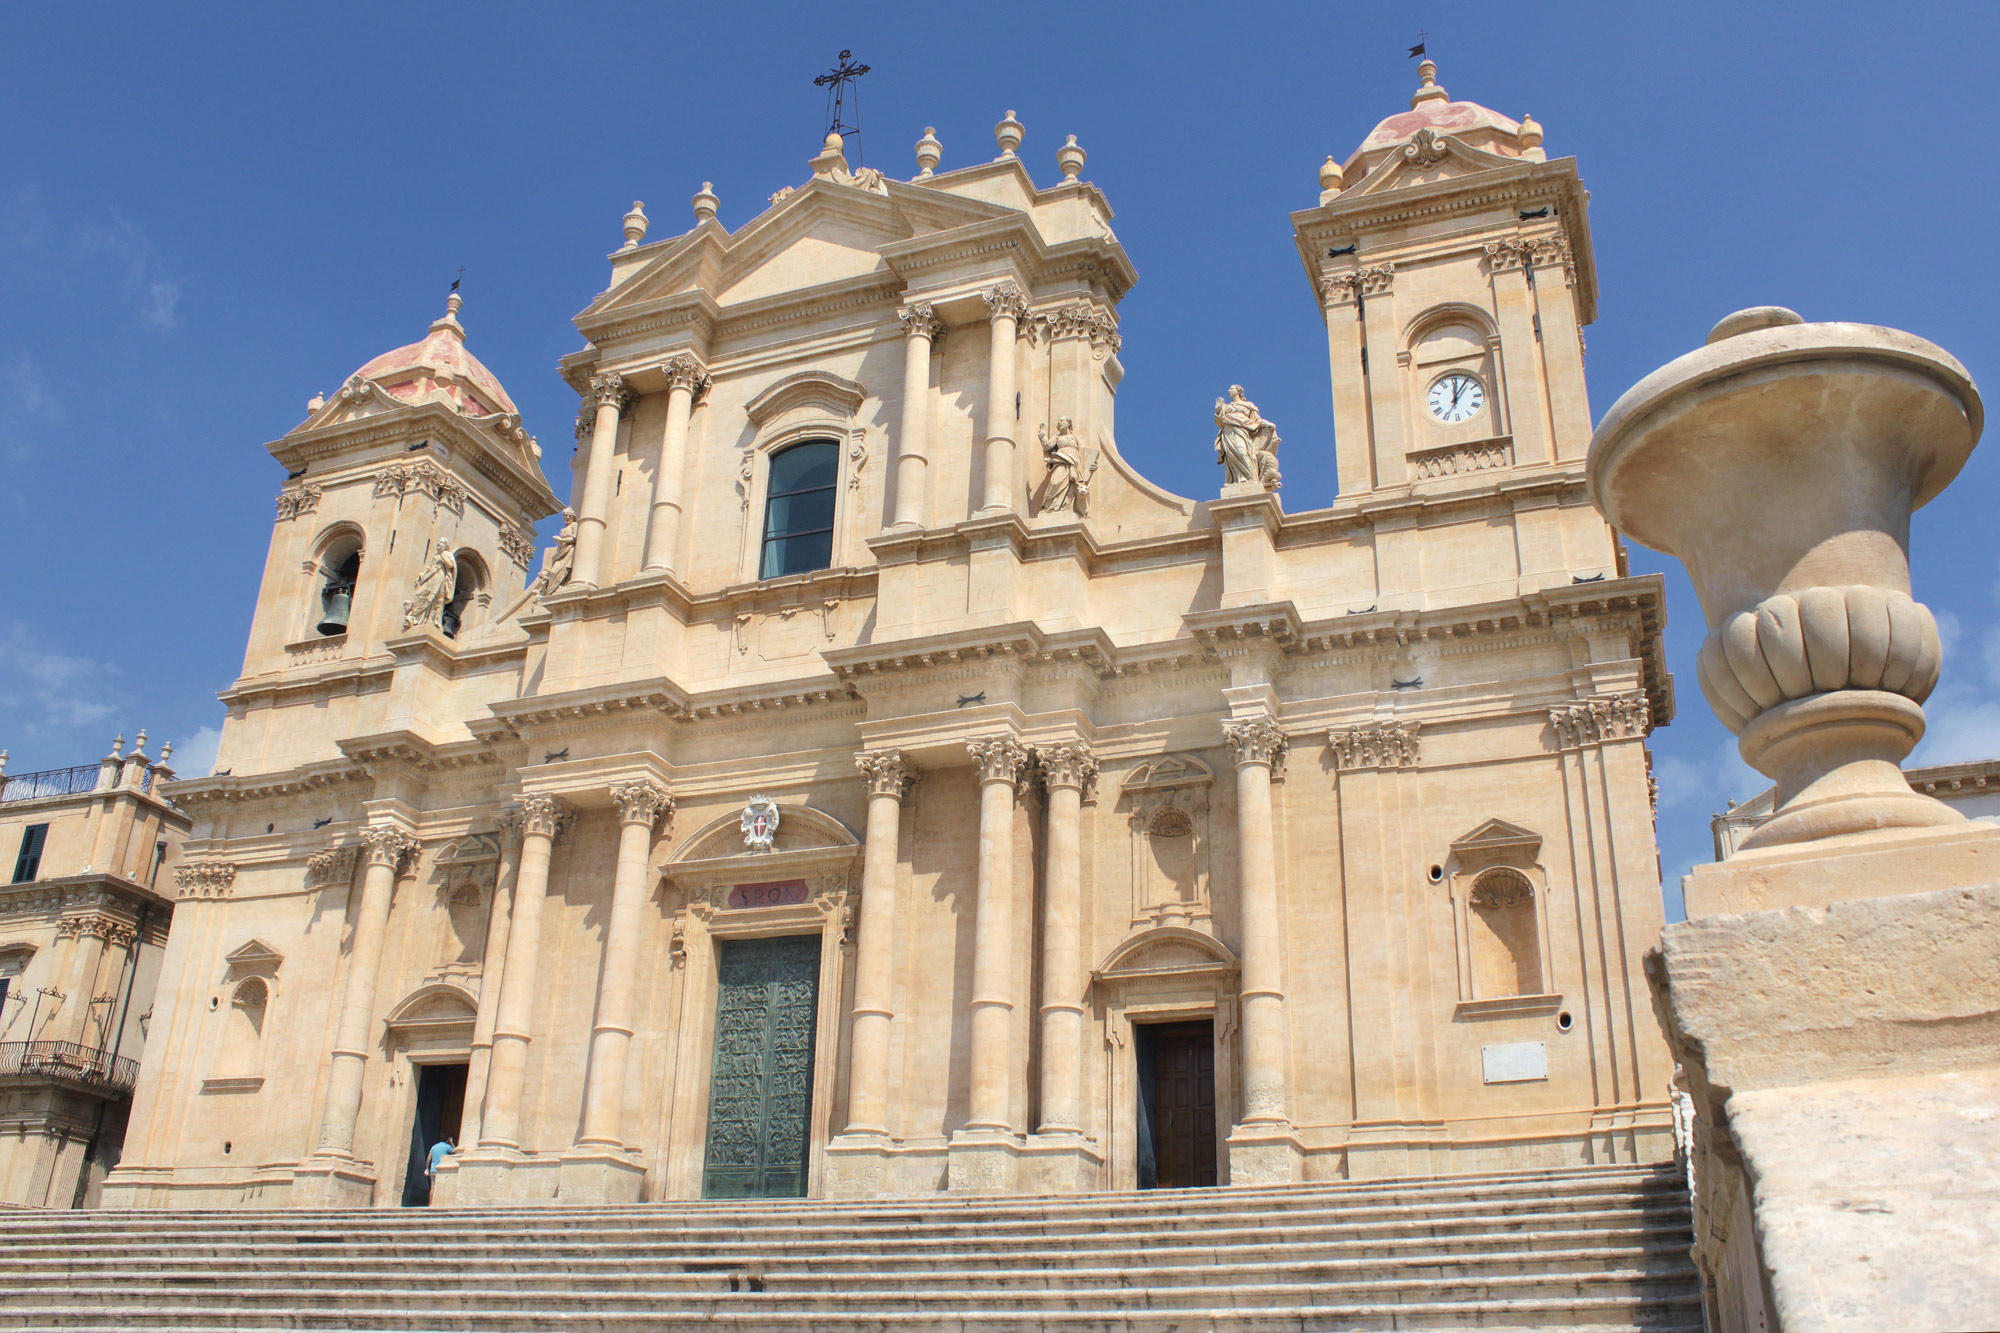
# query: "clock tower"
1453,266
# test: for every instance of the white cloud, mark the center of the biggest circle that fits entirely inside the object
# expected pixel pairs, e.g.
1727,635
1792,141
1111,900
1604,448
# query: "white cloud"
195,756
155,290
44,690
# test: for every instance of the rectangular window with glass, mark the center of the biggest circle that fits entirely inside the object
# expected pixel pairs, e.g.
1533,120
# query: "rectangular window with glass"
28,864
798,509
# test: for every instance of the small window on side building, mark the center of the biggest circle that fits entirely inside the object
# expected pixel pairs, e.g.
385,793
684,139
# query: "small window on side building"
28,864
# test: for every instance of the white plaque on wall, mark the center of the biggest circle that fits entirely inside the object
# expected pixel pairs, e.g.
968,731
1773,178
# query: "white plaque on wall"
1515,1062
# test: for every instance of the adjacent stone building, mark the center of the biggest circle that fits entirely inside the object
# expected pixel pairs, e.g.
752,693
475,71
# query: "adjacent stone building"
882,787
83,926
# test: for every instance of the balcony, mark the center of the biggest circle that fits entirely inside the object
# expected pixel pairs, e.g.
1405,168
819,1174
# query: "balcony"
68,1062
50,782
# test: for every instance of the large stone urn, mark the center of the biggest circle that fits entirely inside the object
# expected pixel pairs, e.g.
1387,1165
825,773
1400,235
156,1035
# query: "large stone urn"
1780,464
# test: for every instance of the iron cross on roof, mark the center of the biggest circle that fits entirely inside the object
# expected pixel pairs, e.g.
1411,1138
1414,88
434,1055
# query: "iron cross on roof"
837,82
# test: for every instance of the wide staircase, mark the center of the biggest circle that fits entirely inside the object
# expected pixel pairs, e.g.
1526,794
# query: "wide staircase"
1592,1247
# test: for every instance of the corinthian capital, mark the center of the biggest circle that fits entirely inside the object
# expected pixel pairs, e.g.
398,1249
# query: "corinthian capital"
210,879
1070,764
609,390
1257,741
1375,745
684,372
888,773
920,321
1340,289
544,816
1005,301
386,845
643,803
1000,759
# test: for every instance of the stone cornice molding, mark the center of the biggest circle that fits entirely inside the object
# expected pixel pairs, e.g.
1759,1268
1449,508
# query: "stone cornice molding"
204,880
388,845
1256,741
1609,717
503,461
919,320
189,793
1006,300
888,773
1375,745
1000,759
643,803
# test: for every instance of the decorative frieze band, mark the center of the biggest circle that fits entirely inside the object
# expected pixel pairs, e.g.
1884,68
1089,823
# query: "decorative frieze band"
207,879
296,500
887,771
1375,745
1610,717
1257,741
1457,458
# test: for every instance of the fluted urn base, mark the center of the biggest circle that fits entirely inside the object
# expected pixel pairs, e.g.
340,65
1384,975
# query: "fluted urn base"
1835,757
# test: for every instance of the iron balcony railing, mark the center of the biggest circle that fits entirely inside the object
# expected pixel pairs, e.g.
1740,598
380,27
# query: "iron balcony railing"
68,1060
50,782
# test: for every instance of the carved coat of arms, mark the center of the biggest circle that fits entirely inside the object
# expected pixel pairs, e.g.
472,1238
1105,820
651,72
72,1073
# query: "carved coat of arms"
760,823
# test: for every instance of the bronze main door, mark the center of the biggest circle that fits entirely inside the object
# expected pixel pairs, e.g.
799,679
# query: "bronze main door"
760,1093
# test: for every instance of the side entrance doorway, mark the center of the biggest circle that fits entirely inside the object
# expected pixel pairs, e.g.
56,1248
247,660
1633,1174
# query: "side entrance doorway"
440,1108
760,1091
1176,1139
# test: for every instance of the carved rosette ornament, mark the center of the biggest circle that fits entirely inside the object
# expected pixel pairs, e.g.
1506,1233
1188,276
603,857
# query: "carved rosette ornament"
888,773
920,321
387,845
1611,717
684,372
204,880
1375,745
1000,759
643,803
1006,301
1257,741
544,816
1070,764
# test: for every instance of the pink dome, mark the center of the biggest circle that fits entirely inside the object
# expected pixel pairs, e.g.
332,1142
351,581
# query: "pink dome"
440,367
1432,109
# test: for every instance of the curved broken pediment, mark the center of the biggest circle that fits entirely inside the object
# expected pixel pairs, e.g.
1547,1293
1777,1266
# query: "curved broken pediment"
1166,950
440,1004
800,829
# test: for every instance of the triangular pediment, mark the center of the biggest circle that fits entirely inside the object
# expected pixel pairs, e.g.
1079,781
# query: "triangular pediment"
1497,838
253,952
1426,159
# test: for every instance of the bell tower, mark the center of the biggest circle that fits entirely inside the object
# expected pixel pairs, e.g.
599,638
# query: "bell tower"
1453,266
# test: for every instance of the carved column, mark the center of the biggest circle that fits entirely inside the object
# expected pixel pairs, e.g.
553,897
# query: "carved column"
385,846
1520,351
1002,763
492,972
685,380
1009,306
1389,426
85,936
1258,745
640,806
890,779
1067,770
1340,302
608,398
921,329
541,818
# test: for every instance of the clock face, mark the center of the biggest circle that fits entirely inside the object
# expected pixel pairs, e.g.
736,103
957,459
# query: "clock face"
1457,397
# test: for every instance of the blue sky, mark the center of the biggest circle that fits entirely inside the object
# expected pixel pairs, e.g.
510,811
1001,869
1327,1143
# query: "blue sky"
209,213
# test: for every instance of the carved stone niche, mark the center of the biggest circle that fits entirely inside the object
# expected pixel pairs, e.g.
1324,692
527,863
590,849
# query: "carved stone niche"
465,873
1166,801
1499,901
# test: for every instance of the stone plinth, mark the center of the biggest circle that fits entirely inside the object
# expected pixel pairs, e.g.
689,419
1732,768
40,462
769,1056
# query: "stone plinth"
605,1175
1845,1065
330,1182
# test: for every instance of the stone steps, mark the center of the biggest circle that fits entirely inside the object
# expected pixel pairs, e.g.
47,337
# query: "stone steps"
1597,1248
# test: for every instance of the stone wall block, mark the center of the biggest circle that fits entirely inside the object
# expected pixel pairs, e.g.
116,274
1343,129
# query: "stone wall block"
1817,641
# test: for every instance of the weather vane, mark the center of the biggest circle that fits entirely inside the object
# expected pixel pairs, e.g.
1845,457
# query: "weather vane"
838,83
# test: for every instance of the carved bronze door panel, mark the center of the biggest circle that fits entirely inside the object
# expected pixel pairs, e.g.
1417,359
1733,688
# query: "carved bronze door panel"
760,1094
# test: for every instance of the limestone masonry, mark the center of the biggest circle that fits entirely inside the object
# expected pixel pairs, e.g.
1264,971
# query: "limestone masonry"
881,788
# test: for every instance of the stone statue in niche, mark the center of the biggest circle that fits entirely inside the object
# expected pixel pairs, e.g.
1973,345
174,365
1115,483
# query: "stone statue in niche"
1068,485
1245,443
560,557
433,590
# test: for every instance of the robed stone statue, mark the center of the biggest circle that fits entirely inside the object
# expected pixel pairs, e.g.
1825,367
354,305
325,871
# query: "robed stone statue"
1245,444
558,559
1068,480
433,590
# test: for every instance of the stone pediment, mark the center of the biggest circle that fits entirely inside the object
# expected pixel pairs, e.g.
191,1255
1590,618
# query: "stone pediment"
1172,770
800,829
1497,840
253,958
440,1004
819,393
1166,951
1427,158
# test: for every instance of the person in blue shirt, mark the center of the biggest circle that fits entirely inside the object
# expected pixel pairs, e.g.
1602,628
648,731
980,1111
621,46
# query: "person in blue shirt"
440,1150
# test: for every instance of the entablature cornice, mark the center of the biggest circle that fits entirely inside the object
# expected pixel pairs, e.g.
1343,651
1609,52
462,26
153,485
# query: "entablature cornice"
92,890
323,680
464,438
191,793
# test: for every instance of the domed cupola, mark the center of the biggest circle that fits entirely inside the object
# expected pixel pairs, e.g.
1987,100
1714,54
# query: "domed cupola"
439,369
1432,109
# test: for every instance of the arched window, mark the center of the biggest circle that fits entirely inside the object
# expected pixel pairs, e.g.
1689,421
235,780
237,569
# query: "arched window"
340,567
471,582
1506,956
798,509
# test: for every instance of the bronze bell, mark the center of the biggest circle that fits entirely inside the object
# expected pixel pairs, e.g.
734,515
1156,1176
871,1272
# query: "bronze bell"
338,600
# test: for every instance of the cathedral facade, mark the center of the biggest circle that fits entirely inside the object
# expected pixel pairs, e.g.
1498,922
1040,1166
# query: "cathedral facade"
882,788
